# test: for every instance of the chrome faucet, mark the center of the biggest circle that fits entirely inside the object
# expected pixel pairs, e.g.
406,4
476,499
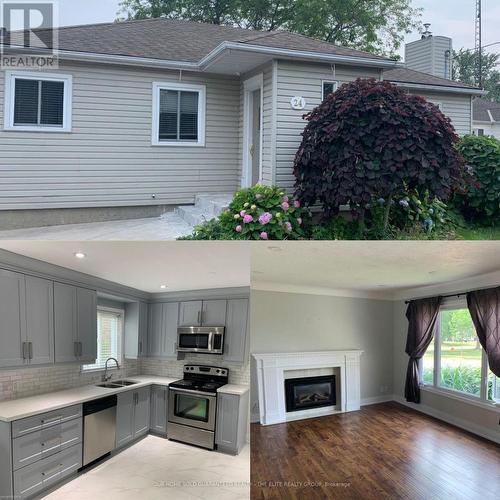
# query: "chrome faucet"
107,377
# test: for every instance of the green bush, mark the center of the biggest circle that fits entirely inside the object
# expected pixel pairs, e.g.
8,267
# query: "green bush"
482,198
257,213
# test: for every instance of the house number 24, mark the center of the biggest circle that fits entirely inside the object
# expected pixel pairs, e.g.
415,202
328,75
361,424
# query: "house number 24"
298,102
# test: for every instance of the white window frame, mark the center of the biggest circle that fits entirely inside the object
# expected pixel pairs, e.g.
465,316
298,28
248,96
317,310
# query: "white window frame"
482,399
335,85
188,87
10,85
121,347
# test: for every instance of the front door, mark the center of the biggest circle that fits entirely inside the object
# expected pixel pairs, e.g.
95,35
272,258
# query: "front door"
255,137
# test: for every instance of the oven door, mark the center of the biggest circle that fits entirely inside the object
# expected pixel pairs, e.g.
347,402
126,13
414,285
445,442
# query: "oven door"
193,408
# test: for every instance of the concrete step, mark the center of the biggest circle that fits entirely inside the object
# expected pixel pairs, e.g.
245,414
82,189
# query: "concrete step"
193,215
206,207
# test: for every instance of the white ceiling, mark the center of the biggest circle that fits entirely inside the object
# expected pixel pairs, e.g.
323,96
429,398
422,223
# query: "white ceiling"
181,265
384,269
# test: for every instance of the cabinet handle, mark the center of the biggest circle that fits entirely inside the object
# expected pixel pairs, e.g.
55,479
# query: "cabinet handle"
199,320
75,349
80,353
140,347
49,473
50,420
24,350
30,346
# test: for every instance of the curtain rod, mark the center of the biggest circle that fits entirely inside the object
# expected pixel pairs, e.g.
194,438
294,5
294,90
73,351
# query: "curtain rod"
454,294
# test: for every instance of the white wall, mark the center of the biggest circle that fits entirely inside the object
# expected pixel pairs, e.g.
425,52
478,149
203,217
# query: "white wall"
292,322
489,128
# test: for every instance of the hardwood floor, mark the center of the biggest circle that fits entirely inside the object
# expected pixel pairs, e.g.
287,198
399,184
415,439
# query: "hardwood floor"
382,451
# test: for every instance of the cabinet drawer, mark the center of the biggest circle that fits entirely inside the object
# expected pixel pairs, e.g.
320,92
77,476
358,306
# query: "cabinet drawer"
34,446
45,420
42,474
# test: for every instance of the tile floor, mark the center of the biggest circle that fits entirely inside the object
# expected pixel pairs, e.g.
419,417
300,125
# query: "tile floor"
155,468
167,227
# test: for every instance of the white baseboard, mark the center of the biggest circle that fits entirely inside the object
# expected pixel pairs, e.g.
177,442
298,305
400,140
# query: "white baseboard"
377,399
450,419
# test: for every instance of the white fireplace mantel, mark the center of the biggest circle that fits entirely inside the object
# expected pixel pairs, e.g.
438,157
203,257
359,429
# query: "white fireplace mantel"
271,368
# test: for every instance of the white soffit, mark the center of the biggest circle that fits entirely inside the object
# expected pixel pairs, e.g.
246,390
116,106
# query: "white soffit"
180,265
375,269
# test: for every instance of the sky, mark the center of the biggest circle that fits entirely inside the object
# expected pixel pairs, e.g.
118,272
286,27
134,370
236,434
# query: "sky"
453,18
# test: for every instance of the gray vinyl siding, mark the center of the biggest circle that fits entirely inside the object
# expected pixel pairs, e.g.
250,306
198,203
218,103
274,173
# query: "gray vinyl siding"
428,55
303,79
456,106
108,159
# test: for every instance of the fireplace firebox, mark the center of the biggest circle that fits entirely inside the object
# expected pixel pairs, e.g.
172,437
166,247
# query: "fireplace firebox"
309,392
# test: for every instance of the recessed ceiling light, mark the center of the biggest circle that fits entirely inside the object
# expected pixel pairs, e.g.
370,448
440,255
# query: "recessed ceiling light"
80,255
163,287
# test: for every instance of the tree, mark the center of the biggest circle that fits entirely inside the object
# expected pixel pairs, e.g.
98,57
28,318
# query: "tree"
372,25
370,141
464,69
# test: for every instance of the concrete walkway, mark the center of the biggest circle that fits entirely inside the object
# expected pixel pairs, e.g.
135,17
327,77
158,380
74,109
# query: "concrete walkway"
167,227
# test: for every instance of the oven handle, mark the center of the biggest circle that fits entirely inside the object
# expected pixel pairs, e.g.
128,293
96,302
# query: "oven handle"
192,391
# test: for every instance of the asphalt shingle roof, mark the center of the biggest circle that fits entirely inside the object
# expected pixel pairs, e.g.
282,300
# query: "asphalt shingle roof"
172,40
404,75
480,109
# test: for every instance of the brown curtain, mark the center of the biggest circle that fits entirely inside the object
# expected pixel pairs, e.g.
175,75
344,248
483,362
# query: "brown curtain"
484,307
422,315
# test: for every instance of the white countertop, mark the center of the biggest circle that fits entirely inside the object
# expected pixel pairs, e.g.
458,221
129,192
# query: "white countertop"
15,409
239,390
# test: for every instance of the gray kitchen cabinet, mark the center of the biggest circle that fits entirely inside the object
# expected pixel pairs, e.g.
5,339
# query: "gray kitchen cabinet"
162,330
125,418
235,344
159,401
136,330
75,323
13,320
190,313
132,415
232,419
214,312
39,320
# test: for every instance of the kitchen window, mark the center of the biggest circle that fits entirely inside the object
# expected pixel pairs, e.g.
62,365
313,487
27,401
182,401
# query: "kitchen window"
37,102
109,337
455,362
329,87
178,115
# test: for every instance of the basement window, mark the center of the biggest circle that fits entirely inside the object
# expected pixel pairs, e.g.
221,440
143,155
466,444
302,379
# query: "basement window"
37,102
455,362
109,338
178,115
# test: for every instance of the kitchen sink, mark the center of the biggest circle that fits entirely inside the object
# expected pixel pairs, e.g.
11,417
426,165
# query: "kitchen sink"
117,384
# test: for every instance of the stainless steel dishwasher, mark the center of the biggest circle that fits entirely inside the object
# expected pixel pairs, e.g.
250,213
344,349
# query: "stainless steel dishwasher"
99,428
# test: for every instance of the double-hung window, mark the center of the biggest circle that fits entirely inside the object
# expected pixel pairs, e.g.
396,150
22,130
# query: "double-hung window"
328,88
178,114
109,337
455,362
37,102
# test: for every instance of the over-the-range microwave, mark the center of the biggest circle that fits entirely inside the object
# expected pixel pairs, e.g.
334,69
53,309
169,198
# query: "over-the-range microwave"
201,339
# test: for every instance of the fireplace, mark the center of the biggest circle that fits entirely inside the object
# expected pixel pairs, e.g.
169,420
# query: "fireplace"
309,392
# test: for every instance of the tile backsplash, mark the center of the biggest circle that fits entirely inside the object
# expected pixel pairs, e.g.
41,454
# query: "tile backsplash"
30,381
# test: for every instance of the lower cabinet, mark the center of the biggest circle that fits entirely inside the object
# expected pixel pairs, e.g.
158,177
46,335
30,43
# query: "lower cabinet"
232,420
159,401
132,415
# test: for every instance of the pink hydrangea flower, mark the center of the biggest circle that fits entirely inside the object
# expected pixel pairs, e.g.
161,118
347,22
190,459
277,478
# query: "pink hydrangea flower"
238,229
263,235
288,227
247,219
286,199
296,204
243,212
265,218
285,205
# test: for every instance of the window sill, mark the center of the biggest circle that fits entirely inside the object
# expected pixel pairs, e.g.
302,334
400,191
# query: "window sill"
464,399
179,144
49,130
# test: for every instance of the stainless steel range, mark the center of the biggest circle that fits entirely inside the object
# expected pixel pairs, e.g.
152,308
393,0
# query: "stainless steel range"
192,405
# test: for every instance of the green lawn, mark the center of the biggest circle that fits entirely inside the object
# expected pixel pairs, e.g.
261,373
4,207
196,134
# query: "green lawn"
457,350
481,233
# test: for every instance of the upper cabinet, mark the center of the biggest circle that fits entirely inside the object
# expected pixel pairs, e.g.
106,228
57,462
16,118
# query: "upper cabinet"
202,313
136,330
236,337
27,320
75,320
162,330
13,322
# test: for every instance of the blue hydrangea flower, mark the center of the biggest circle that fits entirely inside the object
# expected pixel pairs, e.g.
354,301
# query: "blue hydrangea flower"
381,201
431,210
428,222
404,203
